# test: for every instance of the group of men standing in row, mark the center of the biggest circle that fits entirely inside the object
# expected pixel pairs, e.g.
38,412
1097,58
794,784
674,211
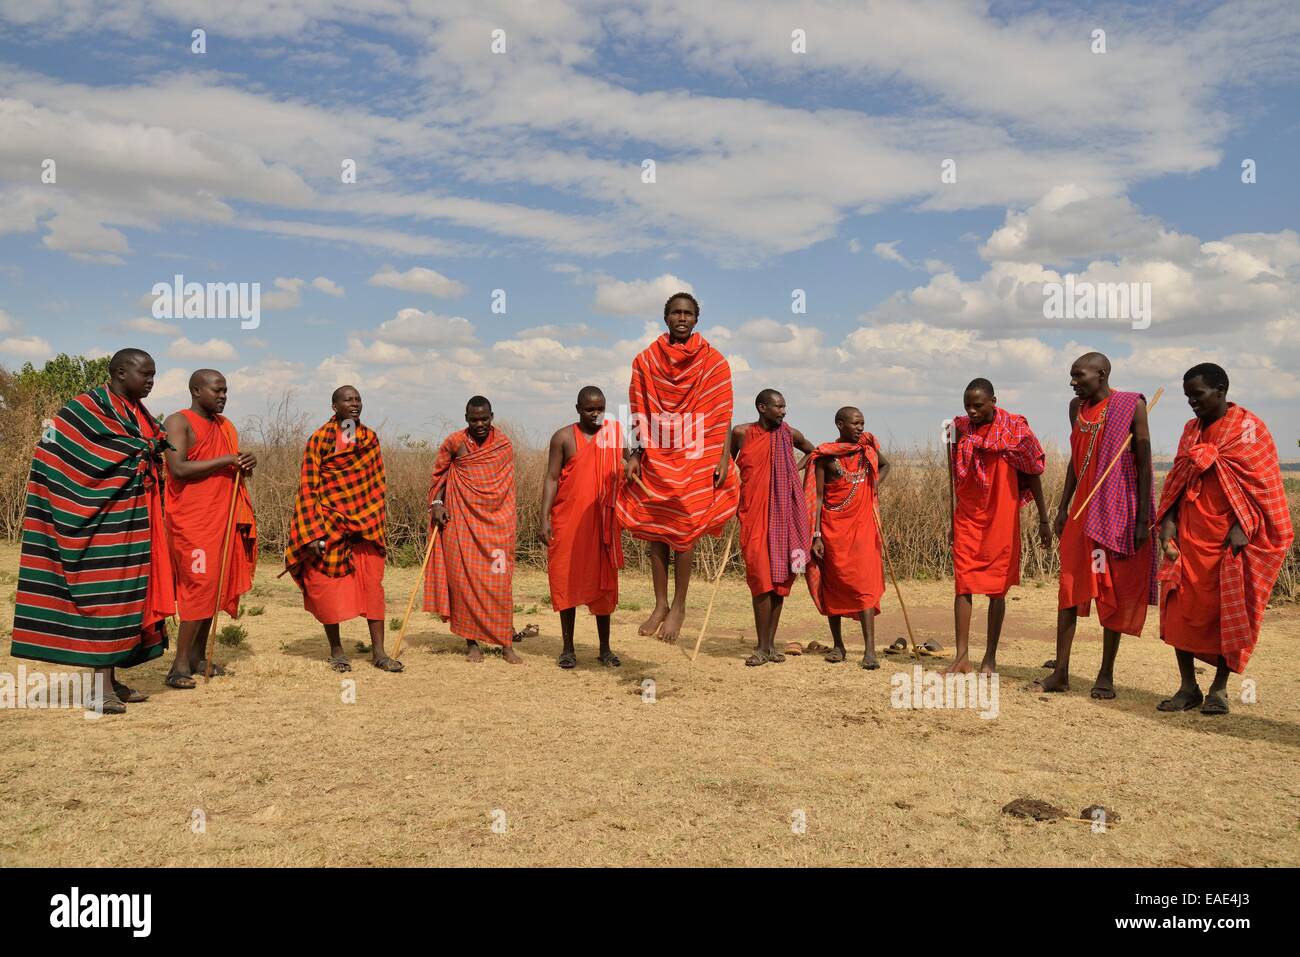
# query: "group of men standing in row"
108,555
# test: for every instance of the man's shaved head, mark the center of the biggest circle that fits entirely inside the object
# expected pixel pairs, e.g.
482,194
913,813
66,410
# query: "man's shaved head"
1095,359
981,385
589,392
337,393
127,357
767,397
477,402
846,412
200,377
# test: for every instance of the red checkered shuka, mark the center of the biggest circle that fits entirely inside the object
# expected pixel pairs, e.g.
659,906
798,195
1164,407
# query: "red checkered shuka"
1008,435
341,492
1248,471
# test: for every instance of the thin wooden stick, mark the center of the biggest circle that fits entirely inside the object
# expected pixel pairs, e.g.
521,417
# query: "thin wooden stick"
419,583
637,478
221,580
726,554
884,547
952,495
1113,462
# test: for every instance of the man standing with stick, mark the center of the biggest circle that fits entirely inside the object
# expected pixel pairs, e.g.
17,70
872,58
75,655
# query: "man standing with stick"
1105,546
338,538
202,466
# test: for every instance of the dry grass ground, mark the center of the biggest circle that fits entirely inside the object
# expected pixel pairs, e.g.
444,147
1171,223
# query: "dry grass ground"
587,773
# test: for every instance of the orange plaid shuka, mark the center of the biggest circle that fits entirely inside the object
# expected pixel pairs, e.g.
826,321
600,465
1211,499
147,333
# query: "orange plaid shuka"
340,496
471,572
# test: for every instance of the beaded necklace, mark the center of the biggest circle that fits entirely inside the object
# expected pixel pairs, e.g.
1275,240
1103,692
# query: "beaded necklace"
1093,429
854,479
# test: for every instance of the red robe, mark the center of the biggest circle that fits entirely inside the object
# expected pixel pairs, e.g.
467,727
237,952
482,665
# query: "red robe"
1211,601
1120,584
197,511
850,576
755,464
472,567
586,548
680,398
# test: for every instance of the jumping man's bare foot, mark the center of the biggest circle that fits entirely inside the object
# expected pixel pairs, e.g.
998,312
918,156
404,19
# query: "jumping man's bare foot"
673,625
510,655
989,666
959,667
651,625
869,661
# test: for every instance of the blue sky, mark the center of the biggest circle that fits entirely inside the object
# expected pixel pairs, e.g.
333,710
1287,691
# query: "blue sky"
775,171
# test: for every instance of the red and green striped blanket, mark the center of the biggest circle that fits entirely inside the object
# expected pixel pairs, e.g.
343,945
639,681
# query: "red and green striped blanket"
84,573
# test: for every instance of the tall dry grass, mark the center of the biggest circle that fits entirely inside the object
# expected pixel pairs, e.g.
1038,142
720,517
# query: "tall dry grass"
914,499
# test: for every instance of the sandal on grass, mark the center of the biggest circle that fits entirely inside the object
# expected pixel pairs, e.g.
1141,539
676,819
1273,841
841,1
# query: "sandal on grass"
339,663
179,681
836,656
1182,701
567,660
609,660
388,664
1216,702
217,670
756,659
897,646
532,631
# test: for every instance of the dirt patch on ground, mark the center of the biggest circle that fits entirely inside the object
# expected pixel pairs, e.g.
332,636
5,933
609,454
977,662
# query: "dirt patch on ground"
658,762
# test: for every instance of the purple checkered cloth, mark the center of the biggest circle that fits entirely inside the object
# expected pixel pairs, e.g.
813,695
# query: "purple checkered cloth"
787,511
1112,513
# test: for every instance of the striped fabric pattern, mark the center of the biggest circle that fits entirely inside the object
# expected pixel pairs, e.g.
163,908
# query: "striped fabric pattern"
681,405
1248,471
341,490
83,574
471,571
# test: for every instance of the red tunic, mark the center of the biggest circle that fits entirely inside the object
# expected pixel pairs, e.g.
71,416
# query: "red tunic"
197,511
986,527
585,552
850,576
1120,584
755,463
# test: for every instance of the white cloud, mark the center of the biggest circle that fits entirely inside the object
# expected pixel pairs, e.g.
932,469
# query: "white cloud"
151,326
212,350
26,347
286,295
7,323
421,280
889,253
327,286
639,297
378,352
415,328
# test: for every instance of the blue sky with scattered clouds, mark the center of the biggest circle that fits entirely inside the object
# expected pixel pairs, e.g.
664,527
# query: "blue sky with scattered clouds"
775,171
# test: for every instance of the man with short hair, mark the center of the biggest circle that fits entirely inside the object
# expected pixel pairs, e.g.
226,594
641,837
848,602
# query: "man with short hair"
338,538
1225,528
472,501
95,577
202,464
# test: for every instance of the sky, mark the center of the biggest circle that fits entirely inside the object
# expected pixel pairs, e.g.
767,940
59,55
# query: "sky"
866,199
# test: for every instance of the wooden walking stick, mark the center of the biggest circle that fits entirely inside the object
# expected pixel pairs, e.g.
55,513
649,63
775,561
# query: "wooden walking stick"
1113,462
884,547
221,580
726,555
419,583
952,495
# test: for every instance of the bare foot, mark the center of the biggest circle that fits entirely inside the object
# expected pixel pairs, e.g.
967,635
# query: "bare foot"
673,625
651,625
474,653
869,661
959,667
510,655
989,666
1053,682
